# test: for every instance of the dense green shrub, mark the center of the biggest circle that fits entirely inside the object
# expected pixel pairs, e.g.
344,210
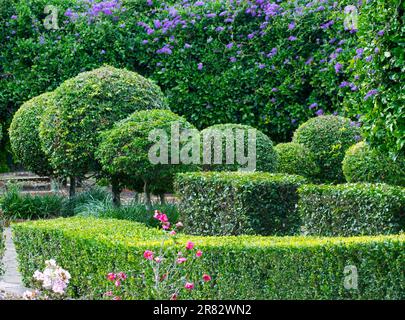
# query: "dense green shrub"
328,138
244,267
266,157
132,211
86,105
294,158
24,135
252,70
125,151
15,205
232,203
365,164
380,75
352,209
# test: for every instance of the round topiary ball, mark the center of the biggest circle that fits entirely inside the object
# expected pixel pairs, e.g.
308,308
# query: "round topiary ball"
328,138
24,134
129,149
294,158
266,156
85,106
364,164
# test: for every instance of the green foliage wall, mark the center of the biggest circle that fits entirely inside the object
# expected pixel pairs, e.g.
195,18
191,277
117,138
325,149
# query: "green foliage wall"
272,67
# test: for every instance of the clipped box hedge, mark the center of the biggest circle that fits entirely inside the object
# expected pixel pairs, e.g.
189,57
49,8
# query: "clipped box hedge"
233,203
352,209
243,267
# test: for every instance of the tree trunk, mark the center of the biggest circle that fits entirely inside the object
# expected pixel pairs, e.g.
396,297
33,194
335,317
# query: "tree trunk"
55,184
148,202
116,191
72,187
136,197
162,198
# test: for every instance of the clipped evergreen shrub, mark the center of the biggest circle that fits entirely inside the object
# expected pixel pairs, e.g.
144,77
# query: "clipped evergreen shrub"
88,104
328,138
266,157
24,135
125,151
352,209
244,267
234,203
294,158
365,164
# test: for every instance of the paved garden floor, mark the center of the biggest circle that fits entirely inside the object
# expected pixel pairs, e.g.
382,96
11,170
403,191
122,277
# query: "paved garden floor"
11,281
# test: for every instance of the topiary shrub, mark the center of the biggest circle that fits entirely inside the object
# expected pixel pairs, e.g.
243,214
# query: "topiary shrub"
24,135
294,158
125,150
266,157
234,203
86,105
352,209
365,164
244,267
328,137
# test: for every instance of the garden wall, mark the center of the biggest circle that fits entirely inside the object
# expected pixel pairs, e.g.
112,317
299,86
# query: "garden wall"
244,267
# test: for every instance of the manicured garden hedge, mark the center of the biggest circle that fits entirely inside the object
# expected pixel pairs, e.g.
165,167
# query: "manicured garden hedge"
352,209
244,267
232,203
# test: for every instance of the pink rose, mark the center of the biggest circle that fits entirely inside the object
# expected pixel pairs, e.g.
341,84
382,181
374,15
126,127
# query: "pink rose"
148,255
198,253
111,276
189,286
122,275
181,260
166,225
206,277
189,245
172,233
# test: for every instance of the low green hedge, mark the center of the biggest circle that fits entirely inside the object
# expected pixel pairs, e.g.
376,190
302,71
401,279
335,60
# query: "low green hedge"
352,209
233,203
243,267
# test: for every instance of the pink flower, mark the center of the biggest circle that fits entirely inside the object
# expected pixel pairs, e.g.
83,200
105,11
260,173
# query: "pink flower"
179,224
166,225
198,253
189,286
206,277
148,255
158,259
172,233
108,293
122,275
189,245
181,260
117,283
111,276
